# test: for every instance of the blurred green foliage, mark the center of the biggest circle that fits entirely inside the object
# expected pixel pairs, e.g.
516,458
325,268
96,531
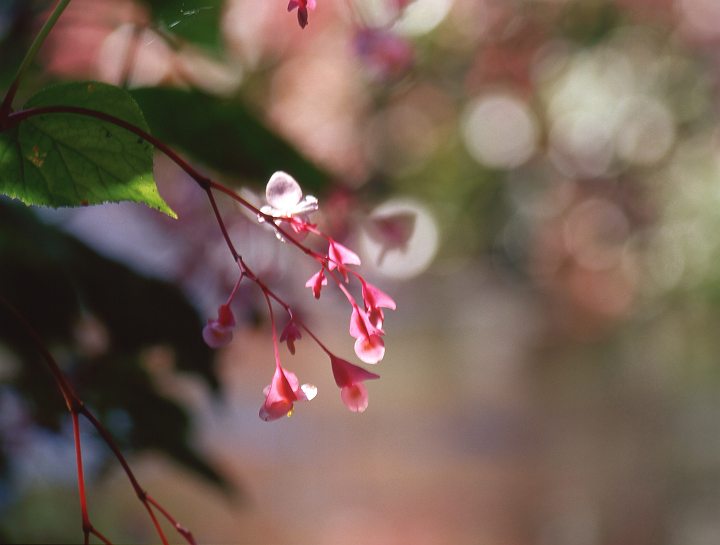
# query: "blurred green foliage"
225,135
197,21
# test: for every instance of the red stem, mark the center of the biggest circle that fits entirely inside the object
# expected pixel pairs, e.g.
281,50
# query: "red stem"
86,526
221,223
76,407
187,534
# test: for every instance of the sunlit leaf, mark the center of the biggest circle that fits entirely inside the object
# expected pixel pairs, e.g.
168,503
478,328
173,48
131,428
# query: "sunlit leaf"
75,160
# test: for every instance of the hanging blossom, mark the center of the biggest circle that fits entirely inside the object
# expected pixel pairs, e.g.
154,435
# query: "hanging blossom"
282,393
375,300
288,212
219,331
350,378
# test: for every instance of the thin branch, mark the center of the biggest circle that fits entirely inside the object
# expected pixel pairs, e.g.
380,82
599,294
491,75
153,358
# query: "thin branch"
6,105
76,407
187,534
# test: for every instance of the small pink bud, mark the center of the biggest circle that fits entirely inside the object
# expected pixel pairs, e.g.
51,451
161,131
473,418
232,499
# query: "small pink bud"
290,334
316,282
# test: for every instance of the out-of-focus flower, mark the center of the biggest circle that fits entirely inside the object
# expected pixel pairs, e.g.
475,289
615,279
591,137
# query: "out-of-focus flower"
349,379
385,55
218,332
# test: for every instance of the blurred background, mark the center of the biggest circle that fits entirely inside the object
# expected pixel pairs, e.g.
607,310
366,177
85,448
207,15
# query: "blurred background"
535,182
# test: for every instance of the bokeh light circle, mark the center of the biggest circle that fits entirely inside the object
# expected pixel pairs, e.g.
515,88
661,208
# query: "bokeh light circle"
403,256
500,130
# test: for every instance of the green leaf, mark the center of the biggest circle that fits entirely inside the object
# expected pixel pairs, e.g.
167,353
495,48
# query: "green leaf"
197,21
224,135
76,160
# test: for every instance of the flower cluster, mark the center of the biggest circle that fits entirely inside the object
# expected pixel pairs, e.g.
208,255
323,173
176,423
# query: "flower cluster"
288,213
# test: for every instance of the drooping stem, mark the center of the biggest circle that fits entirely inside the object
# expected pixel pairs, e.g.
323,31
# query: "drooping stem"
30,56
221,223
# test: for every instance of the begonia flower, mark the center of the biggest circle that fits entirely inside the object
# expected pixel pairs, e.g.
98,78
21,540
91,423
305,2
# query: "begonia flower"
282,393
375,300
316,282
302,6
369,345
350,379
290,334
218,332
285,200
339,256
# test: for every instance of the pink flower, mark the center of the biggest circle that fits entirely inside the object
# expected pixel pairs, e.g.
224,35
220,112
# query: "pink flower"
316,282
375,300
218,332
340,256
291,333
386,55
392,232
350,379
369,345
302,6
282,392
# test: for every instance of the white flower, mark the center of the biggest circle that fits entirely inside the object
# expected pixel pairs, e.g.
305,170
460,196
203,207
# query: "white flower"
285,198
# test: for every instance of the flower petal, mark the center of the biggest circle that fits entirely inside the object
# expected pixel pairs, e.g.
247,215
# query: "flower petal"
374,297
370,349
355,397
316,282
216,336
309,391
283,192
340,255
346,373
